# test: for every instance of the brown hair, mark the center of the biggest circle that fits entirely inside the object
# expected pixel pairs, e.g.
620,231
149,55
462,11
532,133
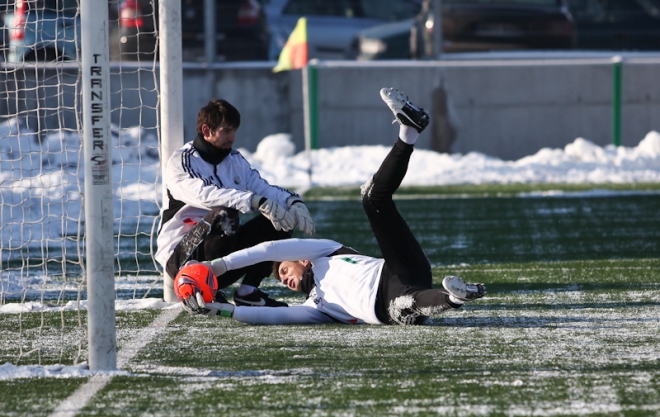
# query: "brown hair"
215,113
276,270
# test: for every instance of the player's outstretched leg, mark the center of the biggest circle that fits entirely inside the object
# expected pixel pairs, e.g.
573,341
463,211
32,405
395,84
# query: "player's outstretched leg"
461,292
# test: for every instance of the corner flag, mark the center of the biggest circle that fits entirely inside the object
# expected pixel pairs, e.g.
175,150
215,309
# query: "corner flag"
294,53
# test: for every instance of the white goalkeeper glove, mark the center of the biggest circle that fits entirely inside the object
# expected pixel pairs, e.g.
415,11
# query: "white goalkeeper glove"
196,305
278,215
217,266
299,211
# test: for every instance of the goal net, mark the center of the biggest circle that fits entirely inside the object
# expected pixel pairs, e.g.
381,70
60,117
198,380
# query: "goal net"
42,231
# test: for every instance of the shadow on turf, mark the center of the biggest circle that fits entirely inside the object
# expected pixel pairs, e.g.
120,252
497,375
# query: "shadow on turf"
561,306
534,322
508,289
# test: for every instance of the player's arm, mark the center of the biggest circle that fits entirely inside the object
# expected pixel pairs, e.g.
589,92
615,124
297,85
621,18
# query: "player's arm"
303,314
288,315
279,250
290,201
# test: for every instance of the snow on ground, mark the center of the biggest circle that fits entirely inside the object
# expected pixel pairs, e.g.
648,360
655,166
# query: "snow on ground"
51,170
41,184
10,371
37,306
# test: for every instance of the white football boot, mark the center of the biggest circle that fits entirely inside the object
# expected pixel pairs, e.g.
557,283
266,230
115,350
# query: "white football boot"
405,112
461,290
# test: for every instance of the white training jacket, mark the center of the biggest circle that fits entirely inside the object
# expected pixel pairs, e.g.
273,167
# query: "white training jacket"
346,285
203,186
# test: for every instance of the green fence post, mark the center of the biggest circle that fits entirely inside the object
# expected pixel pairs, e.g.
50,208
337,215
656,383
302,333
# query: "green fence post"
617,70
313,91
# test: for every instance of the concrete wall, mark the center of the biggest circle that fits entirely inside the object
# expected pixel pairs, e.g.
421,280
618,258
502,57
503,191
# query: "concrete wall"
515,108
504,108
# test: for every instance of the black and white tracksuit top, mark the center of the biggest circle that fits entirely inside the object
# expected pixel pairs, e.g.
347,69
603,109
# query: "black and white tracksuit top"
195,186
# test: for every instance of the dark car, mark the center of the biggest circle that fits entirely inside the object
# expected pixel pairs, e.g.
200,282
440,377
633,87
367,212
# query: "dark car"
331,24
241,33
133,36
473,25
617,24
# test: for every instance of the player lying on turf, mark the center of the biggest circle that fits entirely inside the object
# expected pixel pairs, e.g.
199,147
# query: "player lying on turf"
343,285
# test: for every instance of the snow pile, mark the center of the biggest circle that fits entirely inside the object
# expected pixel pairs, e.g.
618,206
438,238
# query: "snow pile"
579,162
9,371
41,183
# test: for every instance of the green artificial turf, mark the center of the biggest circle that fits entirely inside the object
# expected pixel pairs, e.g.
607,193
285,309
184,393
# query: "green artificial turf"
570,326
550,338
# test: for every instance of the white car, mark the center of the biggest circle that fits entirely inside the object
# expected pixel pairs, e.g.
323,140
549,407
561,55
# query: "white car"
331,24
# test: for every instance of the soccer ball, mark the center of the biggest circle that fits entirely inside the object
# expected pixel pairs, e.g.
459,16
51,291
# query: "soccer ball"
195,278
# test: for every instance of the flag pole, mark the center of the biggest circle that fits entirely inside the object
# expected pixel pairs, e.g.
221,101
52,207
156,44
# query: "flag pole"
310,109
617,69
294,56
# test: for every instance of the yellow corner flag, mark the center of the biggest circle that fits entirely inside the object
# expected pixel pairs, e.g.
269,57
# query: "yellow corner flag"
294,53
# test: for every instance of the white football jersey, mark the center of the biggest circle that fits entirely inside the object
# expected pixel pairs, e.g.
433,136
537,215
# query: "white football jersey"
346,287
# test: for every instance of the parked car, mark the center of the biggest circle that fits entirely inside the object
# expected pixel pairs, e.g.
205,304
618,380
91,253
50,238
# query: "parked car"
473,25
47,30
331,24
241,30
43,30
133,36
617,24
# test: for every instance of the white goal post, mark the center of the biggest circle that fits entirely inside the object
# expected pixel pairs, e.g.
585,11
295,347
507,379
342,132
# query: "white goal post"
99,219
171,92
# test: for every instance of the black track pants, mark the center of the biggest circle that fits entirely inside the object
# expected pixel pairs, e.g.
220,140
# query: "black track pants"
405,294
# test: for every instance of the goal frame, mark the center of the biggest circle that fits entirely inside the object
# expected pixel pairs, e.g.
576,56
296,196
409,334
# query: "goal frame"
98,198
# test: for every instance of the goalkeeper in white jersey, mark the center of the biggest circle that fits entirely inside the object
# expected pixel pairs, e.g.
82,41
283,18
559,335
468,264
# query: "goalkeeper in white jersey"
343,285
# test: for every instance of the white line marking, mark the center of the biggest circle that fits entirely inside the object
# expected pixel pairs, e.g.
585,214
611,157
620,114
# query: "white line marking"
79,399
76,401
129,350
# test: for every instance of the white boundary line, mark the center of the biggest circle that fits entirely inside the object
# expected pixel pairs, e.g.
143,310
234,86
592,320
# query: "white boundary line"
79,399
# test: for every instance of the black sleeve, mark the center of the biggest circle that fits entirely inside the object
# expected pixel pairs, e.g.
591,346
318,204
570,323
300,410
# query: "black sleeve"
345,250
